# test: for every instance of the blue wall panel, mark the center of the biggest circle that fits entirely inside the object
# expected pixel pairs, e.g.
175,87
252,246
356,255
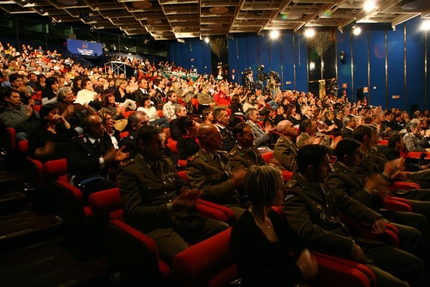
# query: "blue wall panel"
253,53
301,63
415,64
287,62
377,89
207,59
395,67
243,53
288,57
263,52
360,58
344,70
275,56
232,60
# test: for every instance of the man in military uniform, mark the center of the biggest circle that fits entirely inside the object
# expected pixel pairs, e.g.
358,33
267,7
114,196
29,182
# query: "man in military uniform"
156,200
309,134
285,152
91,156
204,98
244,154
209,170
374,162
312,210
413,228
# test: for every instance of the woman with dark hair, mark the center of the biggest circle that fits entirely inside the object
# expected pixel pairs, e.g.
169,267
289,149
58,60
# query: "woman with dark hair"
40,84
121,93
108,104
187,143
266,249
46,142
291,115
208,116
76,86
236,110
50,90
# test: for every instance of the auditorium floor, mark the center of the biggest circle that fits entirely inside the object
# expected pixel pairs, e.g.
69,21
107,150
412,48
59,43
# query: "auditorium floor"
35,248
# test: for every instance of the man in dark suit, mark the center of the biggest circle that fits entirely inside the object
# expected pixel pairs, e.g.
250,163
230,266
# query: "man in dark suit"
91,156
312,209
135,121
141,92
338,120
349,123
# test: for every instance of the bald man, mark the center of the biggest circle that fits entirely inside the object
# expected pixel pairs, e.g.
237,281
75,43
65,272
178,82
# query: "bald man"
209,170
286,149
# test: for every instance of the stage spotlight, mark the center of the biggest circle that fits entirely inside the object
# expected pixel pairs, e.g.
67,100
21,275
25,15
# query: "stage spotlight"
274,34
309,33
356,31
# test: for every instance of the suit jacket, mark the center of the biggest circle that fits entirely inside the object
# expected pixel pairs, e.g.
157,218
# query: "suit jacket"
240,158
261,138
312,210
412,143
147,195
346,133
130,144
83,157
338,123
211,175
138,96
228,141
286,153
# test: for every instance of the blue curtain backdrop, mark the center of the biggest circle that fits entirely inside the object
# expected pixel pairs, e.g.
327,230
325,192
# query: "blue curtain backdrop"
375,59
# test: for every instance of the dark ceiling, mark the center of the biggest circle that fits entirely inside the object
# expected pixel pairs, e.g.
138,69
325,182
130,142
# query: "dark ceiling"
176,19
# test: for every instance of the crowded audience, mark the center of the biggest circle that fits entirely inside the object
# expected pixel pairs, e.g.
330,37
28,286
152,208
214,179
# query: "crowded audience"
117,131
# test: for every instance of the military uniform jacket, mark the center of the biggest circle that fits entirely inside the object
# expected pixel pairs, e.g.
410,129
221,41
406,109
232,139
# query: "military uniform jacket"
83,157
312,210
211,176
367,166
344,181
146,194
130,144
204,99
240,158
286,153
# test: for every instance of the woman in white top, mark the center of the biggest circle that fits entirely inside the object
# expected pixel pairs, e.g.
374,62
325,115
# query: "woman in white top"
152,114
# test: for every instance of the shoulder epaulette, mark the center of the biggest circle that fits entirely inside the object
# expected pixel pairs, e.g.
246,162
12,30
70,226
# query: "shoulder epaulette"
126,163
291,183
233,152
193,157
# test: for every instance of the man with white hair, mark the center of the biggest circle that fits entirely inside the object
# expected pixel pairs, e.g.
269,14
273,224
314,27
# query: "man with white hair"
286,149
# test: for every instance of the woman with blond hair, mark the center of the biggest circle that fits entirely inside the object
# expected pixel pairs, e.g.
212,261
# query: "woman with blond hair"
266,249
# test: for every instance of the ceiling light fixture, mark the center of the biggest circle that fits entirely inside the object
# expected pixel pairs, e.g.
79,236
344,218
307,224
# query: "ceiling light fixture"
274,34
356,31
207,40
142,4
425,25
370,5
218,10
309,33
